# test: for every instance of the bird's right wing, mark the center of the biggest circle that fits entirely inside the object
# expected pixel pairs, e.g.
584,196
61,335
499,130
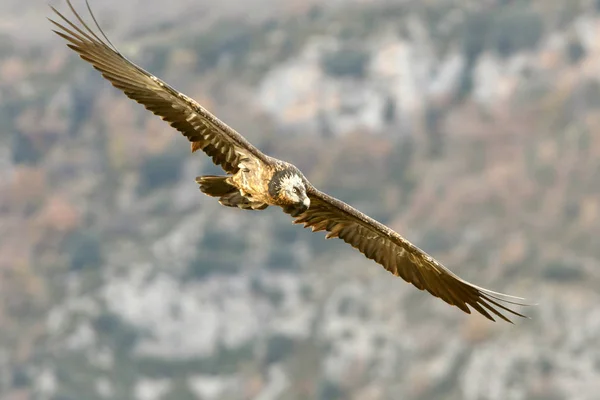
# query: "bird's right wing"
400,257
223,144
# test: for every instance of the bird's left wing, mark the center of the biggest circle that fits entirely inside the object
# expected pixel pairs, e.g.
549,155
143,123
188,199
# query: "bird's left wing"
223,144
386,247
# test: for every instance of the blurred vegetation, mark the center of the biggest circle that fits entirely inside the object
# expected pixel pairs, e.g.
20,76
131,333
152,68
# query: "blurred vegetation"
7,46
349,62
219,252
85,250
23,150
228,38
159,170
116,333
516,28
224,362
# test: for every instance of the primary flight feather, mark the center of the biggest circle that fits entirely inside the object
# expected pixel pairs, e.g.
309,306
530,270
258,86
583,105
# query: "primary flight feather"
256,181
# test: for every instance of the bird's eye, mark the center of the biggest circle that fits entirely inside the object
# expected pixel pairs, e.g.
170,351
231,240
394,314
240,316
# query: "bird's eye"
295,191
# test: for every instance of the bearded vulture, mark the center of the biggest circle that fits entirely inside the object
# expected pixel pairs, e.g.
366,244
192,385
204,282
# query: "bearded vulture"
254,181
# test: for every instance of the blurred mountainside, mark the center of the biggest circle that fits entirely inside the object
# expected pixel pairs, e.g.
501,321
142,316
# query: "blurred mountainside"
467,126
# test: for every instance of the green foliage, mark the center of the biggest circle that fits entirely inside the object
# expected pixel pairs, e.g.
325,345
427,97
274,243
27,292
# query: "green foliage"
180,390
571,210
281,258
7,46
436,240
307,293
210,262
330,391
285,232
221,241
84,250
348,61
225,361
561,271
20,378
474,35
516,29
74,376
274,295
82,107
585,97
575,51
115,332
226,38
316,12
160,170
545,175
389,110
584,140
279,347
506,30
400,168
465,85
63,396
348,305
218,253
510,29
157,58
433,118
359,26
23,149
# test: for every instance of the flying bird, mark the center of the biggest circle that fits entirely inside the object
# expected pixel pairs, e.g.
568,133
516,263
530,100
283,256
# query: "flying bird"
255,181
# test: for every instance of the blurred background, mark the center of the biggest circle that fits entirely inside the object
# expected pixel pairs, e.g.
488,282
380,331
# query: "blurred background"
469,126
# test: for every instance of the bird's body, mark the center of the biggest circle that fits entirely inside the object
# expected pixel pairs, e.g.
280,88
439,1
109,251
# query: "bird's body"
254,181
257,185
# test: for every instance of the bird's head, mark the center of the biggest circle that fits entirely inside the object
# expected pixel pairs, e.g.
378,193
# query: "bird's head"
289,189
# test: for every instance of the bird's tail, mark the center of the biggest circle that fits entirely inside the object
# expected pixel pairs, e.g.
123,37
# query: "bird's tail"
215,186
239,201
229,195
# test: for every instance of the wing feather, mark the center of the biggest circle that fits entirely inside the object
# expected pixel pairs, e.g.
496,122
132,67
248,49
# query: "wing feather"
396,254
205,131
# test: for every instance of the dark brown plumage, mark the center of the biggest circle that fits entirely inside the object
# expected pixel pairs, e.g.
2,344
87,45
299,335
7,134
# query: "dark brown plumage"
255,180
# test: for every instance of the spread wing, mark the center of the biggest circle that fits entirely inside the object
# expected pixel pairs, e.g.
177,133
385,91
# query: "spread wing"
223,144
381,244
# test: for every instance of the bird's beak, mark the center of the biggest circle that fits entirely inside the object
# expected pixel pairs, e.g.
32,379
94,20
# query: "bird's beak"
306,202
